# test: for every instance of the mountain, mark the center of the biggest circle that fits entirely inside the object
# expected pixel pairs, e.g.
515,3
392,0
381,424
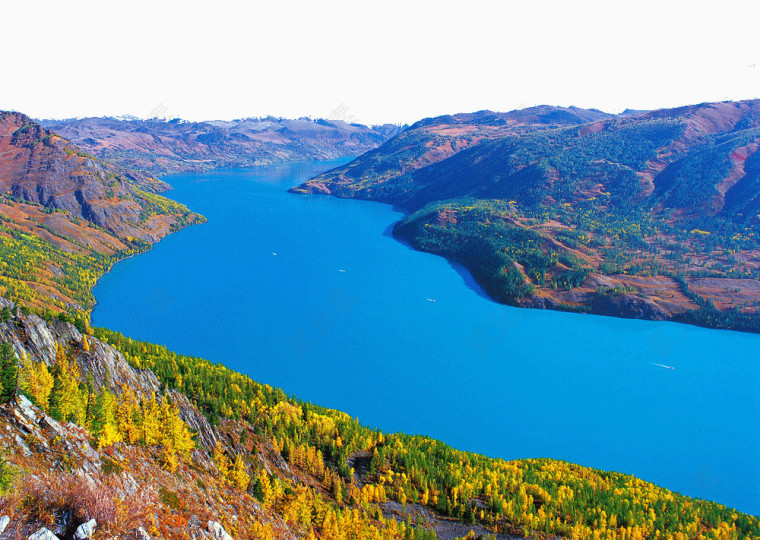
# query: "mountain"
102,436
66,216
647,215
153,444
161,147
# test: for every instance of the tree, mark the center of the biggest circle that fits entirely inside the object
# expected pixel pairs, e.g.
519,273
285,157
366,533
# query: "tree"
175,435
151,422
104,425
240,478
263,487
8,372
221,461
36,381
128,417
66,400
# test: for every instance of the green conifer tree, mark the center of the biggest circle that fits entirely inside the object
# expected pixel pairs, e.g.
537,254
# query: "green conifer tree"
8,372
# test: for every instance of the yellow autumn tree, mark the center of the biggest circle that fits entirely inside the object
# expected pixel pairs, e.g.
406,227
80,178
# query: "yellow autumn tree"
265,486
151,422
128,417
221,461
36,381
175,434
69,401
239,476
105,423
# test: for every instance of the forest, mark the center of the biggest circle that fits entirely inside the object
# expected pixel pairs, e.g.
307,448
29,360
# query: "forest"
533,497
537,205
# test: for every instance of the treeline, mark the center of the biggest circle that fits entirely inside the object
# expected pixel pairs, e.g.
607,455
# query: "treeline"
531,497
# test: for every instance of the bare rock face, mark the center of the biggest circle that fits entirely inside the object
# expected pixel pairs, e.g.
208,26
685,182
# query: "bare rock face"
33,431
629,307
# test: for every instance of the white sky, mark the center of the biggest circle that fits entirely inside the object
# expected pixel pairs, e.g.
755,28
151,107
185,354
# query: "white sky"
371,62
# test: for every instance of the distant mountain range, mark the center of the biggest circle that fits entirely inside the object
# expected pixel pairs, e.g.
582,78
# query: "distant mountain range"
162,147
644,214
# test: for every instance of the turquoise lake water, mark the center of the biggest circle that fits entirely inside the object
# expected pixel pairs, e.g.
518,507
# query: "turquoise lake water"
311,294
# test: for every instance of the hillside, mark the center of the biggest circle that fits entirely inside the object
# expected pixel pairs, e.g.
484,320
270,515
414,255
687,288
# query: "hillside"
647,215
161,147
102,428
153,444
65,217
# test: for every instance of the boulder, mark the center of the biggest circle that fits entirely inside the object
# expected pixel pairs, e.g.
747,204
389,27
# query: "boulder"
43,534
85,530
217,531
4,523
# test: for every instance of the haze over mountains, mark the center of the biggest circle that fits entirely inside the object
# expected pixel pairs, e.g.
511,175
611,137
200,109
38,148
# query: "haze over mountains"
649,215
162,147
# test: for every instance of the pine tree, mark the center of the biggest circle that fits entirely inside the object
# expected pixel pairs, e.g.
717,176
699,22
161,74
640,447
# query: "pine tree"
70,401
8,372
127,417
264,486
56,392
104,423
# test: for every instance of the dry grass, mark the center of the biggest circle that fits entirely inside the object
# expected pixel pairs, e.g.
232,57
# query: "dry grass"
72,499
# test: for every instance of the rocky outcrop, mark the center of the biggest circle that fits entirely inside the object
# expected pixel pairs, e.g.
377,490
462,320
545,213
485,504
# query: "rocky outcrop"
85,530
39,340
43,534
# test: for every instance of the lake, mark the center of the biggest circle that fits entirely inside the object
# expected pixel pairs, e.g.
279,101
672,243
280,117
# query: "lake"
311,294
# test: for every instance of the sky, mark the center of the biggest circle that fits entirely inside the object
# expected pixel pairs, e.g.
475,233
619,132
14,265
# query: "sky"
371,62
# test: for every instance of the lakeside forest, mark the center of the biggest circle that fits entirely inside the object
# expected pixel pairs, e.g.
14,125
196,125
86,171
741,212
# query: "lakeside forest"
269,465
321,492
576,210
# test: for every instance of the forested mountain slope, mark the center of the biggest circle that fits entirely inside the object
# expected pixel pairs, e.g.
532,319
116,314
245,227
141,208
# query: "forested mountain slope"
162,147
137,436
647,215
153,444
65,217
